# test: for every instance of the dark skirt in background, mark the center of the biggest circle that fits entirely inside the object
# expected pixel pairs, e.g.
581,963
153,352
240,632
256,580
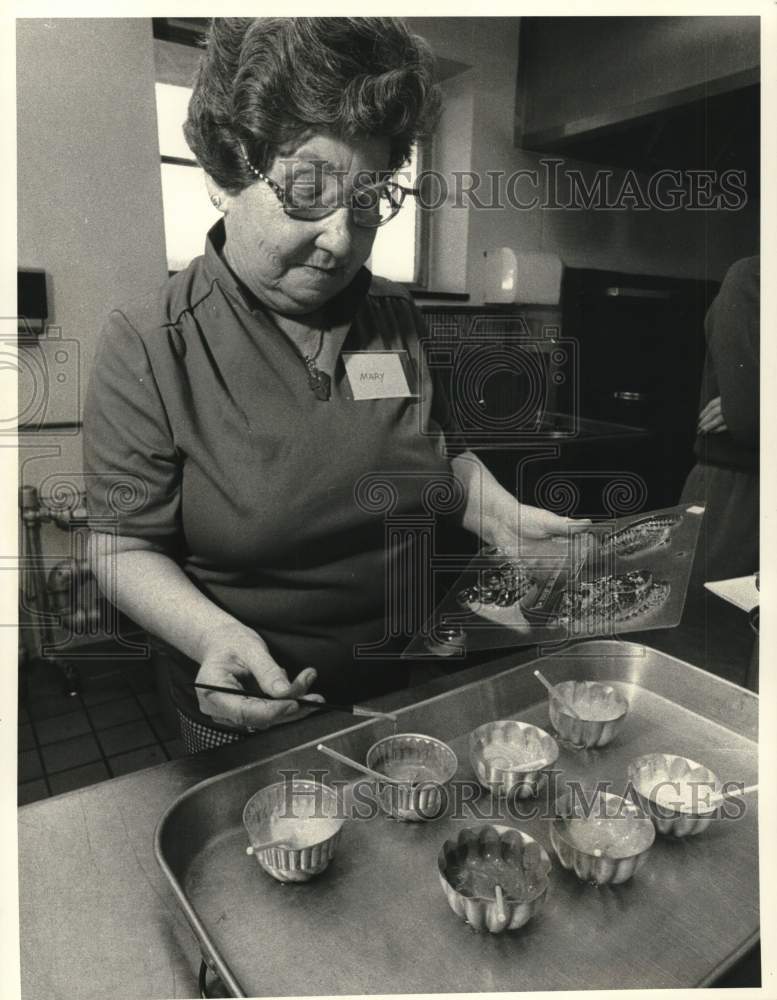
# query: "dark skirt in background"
728,541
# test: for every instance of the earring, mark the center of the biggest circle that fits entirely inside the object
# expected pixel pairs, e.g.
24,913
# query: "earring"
215,200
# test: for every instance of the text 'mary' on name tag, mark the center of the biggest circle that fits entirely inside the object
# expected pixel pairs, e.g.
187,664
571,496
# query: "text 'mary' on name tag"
377,374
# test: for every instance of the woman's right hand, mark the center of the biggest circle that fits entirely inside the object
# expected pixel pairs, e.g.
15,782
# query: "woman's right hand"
233,655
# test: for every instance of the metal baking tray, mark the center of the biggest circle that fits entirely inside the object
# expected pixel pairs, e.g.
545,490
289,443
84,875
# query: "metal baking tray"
377,921
663,564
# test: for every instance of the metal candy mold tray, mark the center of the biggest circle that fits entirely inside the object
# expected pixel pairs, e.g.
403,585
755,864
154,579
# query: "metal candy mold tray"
660,544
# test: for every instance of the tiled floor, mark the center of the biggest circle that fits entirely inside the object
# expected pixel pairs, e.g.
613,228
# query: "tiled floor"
113,726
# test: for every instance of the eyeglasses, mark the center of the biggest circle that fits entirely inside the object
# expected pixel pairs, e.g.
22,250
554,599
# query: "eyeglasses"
320,195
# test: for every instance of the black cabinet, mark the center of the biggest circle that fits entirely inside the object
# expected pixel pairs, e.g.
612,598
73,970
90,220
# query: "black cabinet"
649,93
641,352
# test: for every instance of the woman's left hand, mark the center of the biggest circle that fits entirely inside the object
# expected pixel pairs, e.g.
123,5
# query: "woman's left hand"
711,419
534,522
523,522
492,513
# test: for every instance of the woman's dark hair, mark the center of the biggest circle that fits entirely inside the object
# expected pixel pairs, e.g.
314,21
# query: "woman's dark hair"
267,81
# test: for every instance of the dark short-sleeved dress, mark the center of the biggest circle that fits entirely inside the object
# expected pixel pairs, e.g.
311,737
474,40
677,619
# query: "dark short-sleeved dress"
202,434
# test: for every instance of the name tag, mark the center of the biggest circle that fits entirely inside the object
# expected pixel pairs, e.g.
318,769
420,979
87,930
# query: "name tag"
377,374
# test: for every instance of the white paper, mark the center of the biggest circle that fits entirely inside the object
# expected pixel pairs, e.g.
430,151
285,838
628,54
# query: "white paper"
740,590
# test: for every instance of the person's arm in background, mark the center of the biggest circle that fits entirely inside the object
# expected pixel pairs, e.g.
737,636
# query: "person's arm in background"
733,342
132,471
711,419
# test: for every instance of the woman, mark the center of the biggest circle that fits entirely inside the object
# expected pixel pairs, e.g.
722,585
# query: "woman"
230,401
725,477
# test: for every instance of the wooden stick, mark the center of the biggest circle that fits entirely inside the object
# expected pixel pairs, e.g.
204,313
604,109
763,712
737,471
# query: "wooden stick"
533,765
361,710
258,848
734,793
352,763
320,705
363,767
500,904
554,693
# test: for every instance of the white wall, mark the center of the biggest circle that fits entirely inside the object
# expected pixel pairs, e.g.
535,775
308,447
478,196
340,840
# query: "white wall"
449,227
90,202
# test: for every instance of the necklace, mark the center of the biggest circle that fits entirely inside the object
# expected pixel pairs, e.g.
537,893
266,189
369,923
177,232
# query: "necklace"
319,382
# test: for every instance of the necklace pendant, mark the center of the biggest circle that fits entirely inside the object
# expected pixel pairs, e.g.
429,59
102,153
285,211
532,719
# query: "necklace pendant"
319,382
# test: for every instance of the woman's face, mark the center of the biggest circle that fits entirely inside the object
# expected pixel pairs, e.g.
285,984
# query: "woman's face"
295,266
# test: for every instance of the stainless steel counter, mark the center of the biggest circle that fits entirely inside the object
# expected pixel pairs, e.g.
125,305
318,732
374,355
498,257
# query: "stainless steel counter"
97,917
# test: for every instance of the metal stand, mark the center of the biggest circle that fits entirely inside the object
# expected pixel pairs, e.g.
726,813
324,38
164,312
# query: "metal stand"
34,588
207,987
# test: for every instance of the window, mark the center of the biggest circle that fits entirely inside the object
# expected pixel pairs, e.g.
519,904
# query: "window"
188,213
395,253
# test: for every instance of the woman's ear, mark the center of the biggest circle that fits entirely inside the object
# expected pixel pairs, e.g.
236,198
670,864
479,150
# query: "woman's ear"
219,198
